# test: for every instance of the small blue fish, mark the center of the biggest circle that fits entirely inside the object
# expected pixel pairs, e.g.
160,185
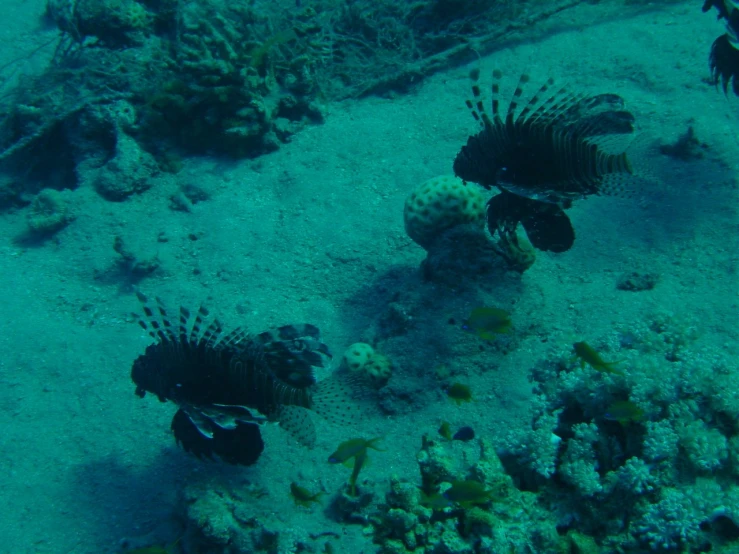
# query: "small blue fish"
464,434
487,322
446,430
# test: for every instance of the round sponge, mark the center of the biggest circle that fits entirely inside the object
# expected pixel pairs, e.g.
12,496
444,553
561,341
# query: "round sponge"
357,355
439,204
379,368
362,357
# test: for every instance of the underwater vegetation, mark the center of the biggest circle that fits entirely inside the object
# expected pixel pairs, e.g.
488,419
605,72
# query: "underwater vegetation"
153,80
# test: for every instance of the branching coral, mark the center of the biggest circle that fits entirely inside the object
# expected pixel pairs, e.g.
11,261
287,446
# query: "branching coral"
671,523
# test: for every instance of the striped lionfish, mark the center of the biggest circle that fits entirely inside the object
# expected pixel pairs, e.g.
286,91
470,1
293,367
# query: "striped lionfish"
544,156
226,384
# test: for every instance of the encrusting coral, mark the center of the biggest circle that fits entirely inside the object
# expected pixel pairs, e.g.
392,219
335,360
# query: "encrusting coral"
646,458
49,212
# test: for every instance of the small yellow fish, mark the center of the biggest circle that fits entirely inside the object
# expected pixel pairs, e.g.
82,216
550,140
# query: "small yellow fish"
588,355
303,497
468,493
435,501
625,412
459,393
351,448
487,322
446,430
357,449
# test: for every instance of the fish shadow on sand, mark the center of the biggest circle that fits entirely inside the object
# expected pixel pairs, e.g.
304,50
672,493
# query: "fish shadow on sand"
418,325
122,502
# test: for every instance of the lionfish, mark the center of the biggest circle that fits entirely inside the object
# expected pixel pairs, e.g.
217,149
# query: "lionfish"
226,384
544,156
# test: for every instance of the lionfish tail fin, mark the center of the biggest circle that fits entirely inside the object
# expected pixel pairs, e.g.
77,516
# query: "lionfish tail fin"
630,173
298,423
342,398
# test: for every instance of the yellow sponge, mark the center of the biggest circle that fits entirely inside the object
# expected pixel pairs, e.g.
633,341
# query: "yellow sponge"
357,355
439,204
362,357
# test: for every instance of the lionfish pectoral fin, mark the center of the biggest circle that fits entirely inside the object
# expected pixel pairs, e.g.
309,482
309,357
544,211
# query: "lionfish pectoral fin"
548,228
241,445
200,421
229,416
532,194
189,437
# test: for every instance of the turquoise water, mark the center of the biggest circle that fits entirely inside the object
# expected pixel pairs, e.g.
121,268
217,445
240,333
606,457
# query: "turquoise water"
314,233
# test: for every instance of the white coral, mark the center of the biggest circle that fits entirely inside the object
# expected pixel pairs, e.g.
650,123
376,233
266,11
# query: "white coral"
705,447
635,476
580,467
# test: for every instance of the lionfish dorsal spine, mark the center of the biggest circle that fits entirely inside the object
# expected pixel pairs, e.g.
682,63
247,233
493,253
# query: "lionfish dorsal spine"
184,320
559,103
196,332
212,334
163,320
495,93
152,323
534,103
517,95
234,339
